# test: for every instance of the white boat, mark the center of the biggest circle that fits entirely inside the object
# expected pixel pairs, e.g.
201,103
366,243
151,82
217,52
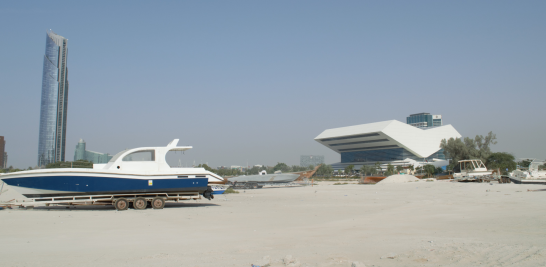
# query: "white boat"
532,176
471,169
137,170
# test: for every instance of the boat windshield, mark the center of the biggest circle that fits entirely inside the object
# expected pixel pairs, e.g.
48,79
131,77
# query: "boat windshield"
143,155
114,158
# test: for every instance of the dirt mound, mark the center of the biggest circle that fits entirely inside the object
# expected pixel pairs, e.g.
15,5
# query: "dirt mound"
399,179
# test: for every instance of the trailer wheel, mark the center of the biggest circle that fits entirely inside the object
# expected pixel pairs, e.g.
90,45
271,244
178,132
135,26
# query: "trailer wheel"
140,203
121,204
158,203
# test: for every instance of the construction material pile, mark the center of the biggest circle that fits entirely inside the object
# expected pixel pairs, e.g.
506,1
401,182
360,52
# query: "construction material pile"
399,179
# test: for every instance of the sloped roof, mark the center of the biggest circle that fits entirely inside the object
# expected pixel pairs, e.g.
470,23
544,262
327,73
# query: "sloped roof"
385,135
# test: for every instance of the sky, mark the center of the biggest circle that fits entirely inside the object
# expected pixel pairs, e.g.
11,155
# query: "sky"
254,82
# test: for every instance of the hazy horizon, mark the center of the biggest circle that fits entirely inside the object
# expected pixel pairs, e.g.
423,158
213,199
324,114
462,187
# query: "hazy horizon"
256,82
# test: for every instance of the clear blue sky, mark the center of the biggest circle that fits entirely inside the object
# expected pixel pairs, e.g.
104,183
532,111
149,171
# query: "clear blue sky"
256,81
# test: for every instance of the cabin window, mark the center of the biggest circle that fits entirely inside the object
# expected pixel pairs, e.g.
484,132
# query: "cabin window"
144,155
201,176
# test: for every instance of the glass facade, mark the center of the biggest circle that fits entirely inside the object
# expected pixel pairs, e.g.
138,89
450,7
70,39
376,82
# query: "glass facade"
420,120
423,120
52,132
82,154
394,154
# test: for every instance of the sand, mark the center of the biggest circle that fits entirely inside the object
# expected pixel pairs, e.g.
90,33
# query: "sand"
398,179
408,224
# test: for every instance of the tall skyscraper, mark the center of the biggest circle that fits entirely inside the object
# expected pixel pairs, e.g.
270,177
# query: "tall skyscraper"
51,144
2,153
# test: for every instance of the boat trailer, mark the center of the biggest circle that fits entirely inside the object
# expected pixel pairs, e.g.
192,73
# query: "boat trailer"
138,201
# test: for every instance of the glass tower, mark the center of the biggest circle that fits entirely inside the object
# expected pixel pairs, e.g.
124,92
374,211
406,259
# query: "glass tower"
424,120
51,141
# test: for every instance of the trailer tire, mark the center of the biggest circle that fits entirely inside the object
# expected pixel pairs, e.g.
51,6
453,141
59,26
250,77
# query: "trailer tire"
121,204
140,203
158,203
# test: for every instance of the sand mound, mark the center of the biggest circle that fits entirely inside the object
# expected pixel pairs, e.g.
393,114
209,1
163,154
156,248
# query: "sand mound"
399,179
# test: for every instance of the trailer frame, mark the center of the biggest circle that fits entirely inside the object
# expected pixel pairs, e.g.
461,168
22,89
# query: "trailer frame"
107,199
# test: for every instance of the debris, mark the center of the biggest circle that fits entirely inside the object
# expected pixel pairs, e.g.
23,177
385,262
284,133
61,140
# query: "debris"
530,190
357,264
290,261
391,255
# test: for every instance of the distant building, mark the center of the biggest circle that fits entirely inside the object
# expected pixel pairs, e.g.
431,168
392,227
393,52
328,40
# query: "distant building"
3,155
5,160
387,142
53,108
423,120
314,160
95,157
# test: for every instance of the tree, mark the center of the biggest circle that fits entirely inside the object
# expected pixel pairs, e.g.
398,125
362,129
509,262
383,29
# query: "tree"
349,169
459,149
377,168
281,167
206,167
364,169
390,169
501,160
429,169
525,163
399,168
68,164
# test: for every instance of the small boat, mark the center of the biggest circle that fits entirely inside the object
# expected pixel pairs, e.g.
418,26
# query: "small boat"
262,178
532,176
218,189
137,170
471,170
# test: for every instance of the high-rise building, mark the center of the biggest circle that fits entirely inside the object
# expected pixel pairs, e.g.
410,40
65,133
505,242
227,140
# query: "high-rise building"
52,138
307,160
82,154
3,160
423,120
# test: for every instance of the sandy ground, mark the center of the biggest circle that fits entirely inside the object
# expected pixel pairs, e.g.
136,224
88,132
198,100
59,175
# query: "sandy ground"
412,224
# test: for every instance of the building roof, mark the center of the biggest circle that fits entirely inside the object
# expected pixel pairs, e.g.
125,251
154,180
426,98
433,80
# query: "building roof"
387,135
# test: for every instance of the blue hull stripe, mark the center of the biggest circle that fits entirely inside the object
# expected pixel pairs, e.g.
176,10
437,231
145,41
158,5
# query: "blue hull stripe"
105,185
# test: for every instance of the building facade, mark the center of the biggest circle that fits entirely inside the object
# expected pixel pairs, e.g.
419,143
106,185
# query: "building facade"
307,160
387,142
53,110
423,120
3,156
82,154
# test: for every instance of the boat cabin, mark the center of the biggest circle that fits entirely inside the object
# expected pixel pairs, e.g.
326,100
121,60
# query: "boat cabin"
146,159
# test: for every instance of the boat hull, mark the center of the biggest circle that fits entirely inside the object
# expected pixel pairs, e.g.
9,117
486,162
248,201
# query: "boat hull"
70,185
218,189
528,181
